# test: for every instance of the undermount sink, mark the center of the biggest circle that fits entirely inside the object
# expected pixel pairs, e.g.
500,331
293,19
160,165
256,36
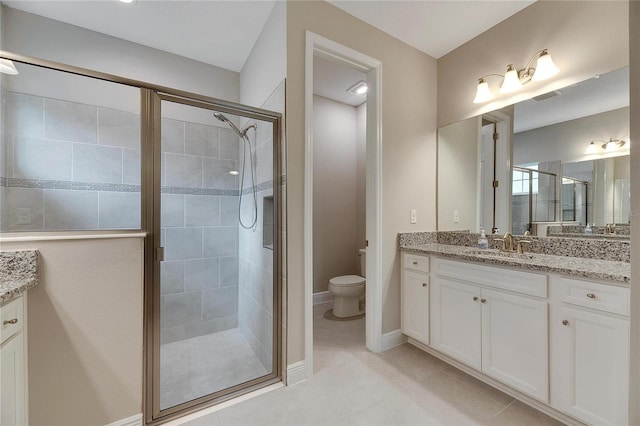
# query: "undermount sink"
497,253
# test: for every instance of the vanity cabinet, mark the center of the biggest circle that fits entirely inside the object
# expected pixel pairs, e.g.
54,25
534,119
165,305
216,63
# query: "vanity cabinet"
12,363
502,334
415,297
590,349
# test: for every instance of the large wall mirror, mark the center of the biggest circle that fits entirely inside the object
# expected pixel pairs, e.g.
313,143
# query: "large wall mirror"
554,165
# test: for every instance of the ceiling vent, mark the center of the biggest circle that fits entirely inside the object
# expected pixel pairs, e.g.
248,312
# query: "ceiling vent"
547,95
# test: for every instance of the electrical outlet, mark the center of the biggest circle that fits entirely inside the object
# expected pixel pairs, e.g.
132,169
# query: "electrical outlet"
23,216
456,216
413,216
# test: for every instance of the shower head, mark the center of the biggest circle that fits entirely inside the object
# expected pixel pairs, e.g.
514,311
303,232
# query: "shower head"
240,133
226,120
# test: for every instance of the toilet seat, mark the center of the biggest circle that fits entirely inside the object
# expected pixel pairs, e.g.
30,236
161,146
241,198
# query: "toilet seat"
347,280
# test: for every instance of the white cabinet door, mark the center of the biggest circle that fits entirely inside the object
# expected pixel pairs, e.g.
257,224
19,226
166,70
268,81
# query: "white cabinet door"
456,320
595,357
12,396
515,342
415,306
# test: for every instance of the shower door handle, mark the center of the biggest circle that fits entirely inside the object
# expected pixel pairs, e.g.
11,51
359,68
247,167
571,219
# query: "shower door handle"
160,254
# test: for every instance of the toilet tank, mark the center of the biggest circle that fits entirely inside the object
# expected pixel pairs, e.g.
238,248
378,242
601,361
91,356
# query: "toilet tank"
363,262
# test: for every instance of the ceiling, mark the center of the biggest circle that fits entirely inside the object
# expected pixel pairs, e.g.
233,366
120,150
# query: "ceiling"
332,80
222,33
435,27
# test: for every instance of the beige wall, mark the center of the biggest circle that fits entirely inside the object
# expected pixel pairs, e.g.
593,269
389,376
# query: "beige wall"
584,38
335,195
85,331
634,68
408,152
457,182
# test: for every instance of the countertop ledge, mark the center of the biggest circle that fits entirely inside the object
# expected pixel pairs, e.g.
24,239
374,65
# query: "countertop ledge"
18,273
601,270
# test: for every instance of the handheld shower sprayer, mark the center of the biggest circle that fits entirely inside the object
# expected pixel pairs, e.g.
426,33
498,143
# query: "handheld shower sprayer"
247,142
240,133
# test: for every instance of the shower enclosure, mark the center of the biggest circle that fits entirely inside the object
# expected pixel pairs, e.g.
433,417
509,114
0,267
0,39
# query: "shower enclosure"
214,298
200,177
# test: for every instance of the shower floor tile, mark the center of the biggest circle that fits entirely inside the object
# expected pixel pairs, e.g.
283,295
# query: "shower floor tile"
195,367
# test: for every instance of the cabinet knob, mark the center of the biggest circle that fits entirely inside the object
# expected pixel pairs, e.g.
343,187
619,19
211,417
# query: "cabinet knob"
591,295
424,284
11,321
483,300
415,263
565,322
475,298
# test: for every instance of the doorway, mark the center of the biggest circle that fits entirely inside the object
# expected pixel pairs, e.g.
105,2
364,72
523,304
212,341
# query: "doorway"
213,290
317,46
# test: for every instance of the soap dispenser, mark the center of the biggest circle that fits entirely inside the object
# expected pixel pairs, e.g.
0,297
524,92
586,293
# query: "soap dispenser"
483,243
588,230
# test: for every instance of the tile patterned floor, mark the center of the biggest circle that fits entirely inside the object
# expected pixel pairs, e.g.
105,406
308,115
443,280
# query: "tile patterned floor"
201,365
352,386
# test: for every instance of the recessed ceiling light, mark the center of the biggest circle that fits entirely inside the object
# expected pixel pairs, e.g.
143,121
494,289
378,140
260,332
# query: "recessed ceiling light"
360,88
126,1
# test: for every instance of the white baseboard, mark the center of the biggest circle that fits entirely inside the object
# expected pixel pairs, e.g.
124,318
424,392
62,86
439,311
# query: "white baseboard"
296,373
136,420
322,297
392,339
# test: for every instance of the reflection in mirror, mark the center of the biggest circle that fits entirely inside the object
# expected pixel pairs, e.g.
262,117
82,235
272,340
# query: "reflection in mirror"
555,186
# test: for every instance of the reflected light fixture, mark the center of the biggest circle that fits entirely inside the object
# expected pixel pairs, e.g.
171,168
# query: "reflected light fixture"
360,88
234,172
514,79
7,67
612,145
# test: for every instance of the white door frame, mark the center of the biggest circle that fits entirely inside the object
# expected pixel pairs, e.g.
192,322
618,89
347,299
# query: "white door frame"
321,46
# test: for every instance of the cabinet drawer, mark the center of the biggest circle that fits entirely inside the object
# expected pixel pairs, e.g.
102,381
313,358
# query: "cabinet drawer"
502,278
416,262
598,296
11,318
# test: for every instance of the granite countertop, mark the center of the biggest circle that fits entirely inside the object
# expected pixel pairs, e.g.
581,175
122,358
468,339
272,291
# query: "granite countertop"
18,273
605,270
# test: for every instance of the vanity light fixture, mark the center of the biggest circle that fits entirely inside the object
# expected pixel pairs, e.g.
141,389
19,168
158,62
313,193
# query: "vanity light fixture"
360,88
7,67
514,79
612,145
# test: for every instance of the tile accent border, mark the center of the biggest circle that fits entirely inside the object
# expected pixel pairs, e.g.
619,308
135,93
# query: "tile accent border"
117,187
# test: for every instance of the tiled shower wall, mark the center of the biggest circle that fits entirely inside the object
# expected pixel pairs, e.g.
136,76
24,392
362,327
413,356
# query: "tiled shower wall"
255,302
199,230
73,166
69,166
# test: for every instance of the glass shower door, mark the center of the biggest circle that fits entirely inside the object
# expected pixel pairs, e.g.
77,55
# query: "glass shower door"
217,327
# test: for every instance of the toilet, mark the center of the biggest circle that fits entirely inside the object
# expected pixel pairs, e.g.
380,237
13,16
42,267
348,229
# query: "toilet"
347,290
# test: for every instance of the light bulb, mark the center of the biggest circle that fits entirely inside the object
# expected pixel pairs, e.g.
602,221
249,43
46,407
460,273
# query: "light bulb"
483,94
511,81
545,68
591,149
611,146
7,67
361,90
